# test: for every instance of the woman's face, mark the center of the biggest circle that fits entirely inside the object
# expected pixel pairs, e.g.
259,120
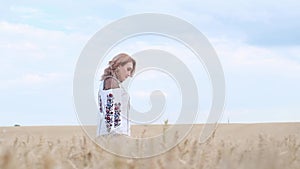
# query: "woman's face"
125,71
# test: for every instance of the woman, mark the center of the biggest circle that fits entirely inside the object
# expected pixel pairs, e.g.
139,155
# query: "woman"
113,100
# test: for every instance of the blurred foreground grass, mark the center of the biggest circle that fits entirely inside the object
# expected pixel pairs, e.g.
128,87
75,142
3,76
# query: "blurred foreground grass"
255,146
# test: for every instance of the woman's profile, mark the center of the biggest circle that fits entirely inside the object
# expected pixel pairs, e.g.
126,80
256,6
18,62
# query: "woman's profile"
113,100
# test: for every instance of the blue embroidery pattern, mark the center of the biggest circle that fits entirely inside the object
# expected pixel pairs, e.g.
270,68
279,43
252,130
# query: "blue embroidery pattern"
117,114
109,112
100,104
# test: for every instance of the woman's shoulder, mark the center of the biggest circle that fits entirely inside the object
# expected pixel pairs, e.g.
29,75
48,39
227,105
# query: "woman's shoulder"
114,91
110,83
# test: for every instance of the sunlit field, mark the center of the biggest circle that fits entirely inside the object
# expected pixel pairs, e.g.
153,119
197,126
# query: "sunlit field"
240,146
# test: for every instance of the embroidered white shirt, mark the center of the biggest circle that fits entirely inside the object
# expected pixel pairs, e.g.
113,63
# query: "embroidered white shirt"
113,111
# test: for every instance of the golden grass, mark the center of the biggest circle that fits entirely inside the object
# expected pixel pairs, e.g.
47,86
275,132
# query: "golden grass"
255,146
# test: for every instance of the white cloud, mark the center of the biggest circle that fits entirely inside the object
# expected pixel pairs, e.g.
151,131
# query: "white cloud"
29,53
31,79
261,81
238,58
255,115
26,12
34,79
142,94
22,41
26,49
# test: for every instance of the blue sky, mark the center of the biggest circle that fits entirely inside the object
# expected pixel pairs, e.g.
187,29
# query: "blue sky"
257,44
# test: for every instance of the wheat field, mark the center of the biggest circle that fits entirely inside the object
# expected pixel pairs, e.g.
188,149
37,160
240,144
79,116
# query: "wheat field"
242,146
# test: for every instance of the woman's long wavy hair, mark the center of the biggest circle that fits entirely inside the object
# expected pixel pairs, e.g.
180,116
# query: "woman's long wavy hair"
119,60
